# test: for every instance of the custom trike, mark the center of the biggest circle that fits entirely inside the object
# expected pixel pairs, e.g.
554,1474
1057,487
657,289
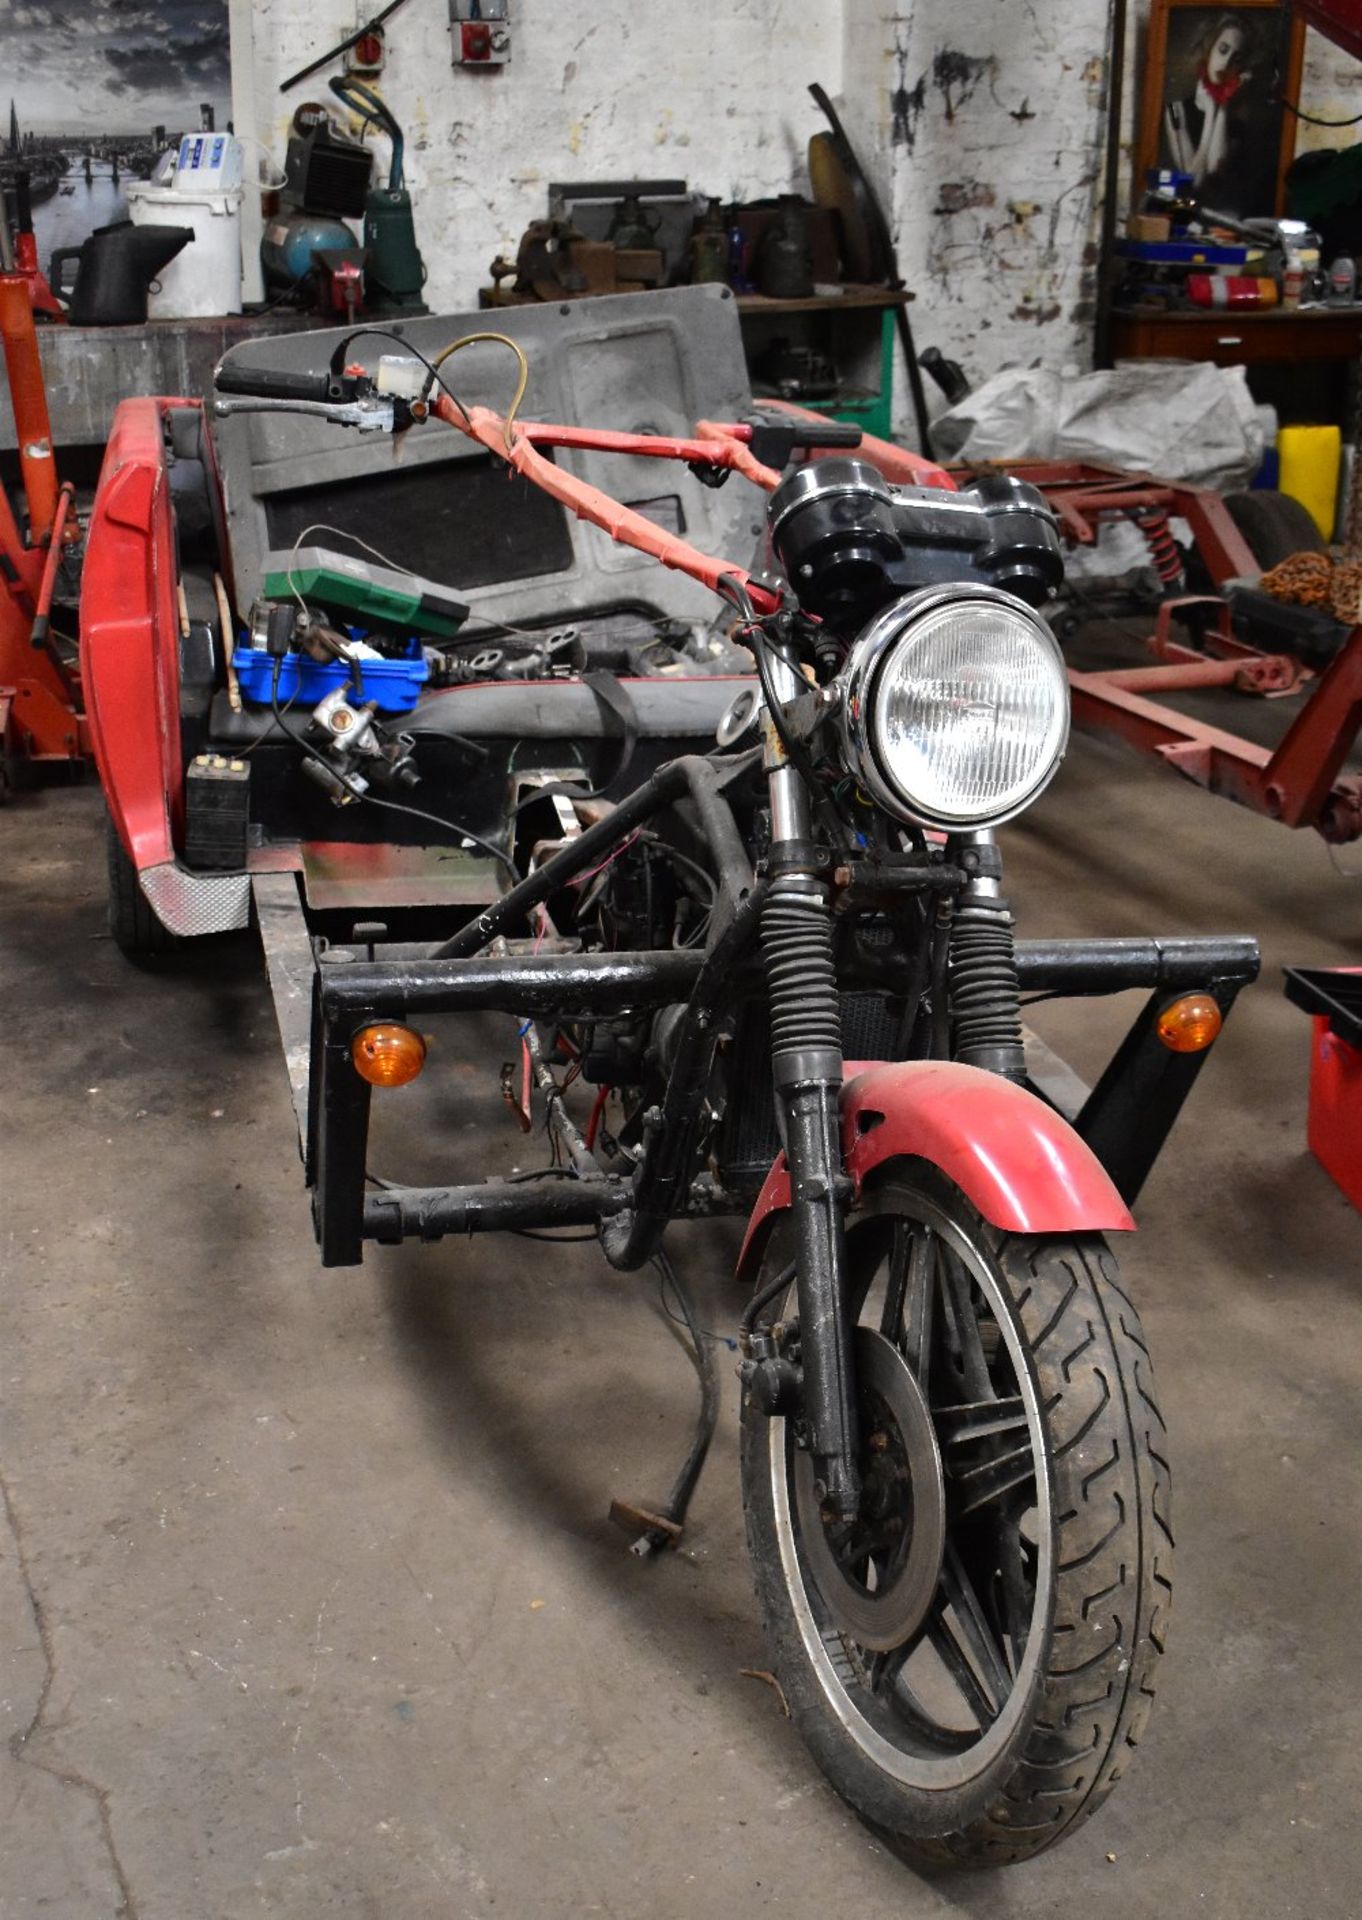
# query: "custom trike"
773,975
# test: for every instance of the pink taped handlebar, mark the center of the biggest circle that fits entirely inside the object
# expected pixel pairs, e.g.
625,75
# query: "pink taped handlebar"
589,503
714,444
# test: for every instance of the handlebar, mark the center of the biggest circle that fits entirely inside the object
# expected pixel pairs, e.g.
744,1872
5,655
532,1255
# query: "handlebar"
279,383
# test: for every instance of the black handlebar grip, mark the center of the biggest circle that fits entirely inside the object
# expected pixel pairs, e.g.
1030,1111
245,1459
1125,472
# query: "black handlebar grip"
828,433
273,383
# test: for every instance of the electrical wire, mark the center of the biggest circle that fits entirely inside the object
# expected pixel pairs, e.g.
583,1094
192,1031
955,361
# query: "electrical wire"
344,46
342,533
730,588
681,859
664,1280
500,339
1313,120
394,806
265,733
450,826
701,1355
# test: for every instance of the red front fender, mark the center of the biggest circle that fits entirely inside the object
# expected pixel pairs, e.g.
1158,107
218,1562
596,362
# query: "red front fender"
1014,1158
129,636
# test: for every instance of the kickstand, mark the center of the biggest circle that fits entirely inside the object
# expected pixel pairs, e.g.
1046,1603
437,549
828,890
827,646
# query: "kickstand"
657,1530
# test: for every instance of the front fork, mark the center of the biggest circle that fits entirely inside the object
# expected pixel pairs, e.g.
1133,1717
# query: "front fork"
806,1061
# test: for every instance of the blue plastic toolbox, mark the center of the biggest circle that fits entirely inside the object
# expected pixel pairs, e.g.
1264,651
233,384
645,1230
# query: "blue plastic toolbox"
394,686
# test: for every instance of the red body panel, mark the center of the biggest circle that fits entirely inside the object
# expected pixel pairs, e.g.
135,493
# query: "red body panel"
129,636
1013,1158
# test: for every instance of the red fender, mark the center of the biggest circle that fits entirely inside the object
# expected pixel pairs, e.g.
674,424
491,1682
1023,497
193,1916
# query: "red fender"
1015,1159
129,636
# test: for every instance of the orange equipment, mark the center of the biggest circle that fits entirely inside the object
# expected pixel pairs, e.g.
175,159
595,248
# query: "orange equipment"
41,712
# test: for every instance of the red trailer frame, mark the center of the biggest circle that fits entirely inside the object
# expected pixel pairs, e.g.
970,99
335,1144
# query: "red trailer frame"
1299,782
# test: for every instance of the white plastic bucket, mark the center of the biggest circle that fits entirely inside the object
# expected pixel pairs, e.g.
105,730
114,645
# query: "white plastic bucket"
205,276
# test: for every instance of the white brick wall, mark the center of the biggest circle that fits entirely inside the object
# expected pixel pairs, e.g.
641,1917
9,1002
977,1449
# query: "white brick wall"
981,120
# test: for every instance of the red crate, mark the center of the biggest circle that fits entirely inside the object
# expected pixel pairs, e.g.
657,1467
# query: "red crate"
1334,1130
1333,998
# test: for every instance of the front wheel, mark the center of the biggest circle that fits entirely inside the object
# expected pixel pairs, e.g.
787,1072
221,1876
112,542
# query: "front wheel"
137,932
971,1661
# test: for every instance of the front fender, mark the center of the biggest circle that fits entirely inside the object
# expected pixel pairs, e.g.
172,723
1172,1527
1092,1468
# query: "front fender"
129,637
1015,1159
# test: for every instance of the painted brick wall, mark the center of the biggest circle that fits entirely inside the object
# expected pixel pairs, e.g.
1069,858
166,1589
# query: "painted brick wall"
981,120
711,92
990,117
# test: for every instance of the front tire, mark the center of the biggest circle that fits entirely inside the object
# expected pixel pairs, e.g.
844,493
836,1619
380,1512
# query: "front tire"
137,933
1020,1673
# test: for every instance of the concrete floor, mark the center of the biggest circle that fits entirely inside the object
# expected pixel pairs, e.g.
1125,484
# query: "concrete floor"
308,1601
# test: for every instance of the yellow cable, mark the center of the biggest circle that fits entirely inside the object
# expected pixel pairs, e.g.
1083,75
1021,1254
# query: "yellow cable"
503,340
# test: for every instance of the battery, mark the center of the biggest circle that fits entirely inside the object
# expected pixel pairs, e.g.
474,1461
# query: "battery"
217,797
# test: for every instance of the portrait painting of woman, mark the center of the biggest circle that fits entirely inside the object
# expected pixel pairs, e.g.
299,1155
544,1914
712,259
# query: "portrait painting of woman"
1216,113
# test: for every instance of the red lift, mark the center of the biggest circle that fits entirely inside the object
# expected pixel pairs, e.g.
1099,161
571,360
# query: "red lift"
41,711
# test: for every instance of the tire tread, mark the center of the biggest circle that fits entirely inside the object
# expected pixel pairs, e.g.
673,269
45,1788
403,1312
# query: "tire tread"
1112,1576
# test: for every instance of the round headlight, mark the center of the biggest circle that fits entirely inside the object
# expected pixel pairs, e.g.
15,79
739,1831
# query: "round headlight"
956,707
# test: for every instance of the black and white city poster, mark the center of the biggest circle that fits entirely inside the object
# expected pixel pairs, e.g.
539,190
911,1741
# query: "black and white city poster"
97,89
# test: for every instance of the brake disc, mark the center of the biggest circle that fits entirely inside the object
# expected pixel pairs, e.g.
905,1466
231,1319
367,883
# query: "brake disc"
900,1531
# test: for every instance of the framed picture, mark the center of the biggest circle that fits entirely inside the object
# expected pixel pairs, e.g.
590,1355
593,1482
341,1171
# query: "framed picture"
1212,103
96,90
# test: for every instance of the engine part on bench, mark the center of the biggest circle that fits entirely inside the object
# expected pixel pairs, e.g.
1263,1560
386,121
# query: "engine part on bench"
274,627
346,735
794,370
849,542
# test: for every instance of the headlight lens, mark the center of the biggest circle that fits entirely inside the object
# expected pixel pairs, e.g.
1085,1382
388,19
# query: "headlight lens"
956,709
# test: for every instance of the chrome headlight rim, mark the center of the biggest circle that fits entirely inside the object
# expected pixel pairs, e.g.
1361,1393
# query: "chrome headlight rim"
870,654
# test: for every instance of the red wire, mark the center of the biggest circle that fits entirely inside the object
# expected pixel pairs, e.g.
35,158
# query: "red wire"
597,1109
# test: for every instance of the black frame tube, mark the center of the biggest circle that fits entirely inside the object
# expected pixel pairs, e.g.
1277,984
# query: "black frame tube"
703,779
491,1206
1126,1118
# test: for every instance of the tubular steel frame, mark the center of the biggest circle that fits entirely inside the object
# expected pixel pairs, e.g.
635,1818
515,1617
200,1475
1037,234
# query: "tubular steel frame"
40,701
1125,1120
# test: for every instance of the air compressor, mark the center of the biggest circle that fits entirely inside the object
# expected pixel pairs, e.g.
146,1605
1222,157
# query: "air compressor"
327,182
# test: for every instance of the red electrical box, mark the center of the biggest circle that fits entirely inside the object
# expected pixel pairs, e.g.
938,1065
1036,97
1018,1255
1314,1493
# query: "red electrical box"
480,33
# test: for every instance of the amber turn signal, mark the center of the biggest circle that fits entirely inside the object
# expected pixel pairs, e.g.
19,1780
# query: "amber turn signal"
1190,1024
387,1056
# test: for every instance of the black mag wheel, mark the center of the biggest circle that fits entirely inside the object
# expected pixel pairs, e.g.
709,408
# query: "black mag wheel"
971,1661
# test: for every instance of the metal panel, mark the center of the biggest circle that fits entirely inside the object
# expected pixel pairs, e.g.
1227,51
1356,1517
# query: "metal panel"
653,361
193,903
289,963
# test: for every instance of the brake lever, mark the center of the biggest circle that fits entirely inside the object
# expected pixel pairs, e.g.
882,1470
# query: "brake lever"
372,415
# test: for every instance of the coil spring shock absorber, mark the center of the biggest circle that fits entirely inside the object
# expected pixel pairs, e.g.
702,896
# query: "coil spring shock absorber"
1163,548
985,999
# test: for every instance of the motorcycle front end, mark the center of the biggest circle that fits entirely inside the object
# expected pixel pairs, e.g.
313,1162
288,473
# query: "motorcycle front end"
954,1470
